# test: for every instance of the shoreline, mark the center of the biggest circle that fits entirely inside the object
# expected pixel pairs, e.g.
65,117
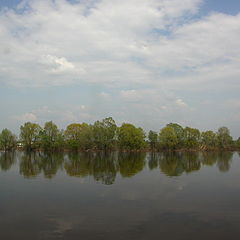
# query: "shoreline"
128,151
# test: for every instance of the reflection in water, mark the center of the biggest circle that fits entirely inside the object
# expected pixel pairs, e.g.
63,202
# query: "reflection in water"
7,159
104,167
131,163
177,163
30,164
224,161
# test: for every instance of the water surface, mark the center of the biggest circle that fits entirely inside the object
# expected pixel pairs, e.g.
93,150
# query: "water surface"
120,196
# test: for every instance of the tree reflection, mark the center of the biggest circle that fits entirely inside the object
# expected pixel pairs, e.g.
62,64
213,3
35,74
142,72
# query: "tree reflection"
30,164
50,163
7,159
209,158
191,162
153,159
77,164
170,163
224,161
104,167
34,163
131,163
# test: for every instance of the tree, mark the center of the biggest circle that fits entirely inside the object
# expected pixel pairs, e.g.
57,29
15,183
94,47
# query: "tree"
79,136
131,137
50,136
237,143
191,137
104,133
153,139
73,135
168,138
179,131
29,135
209,139
7,140
223,137
60,140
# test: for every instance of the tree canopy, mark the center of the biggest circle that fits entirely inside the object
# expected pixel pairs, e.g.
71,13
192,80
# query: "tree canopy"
106,135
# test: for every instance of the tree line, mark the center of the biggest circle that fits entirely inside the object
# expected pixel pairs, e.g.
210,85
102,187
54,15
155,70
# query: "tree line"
106,135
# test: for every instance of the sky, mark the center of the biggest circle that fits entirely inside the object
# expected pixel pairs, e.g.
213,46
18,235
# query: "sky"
146,62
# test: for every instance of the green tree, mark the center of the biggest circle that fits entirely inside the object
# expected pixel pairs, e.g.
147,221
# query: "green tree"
74,135
131,137
237,143
224,138
179,132
168,138
7,140
49,136
60,140
79,136
104,133
191,137
30,135
153,139
208,139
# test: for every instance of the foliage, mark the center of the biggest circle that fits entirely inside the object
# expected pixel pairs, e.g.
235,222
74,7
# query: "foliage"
131,137
29,135
168,138
237,143
104,133
79,136
7,140
179,131
209,139
51,137
153,139
191,137
224,138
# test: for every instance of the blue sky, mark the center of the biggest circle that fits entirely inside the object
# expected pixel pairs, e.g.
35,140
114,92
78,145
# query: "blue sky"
145,62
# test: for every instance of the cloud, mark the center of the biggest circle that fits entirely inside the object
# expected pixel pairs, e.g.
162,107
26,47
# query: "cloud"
56,43
59,65
49,43
60,115
130,95
181,103
26,117
147,58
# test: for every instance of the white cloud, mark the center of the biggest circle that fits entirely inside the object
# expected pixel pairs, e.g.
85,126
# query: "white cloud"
131,95
146,55
59,65
96,42
181,103
105,96
83,107
26,117
118,44
61,115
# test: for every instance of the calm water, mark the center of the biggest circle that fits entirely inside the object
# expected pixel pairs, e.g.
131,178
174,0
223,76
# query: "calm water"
120,196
